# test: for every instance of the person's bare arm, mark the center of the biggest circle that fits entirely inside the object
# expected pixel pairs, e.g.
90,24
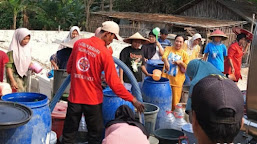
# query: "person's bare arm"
205,56
12,80
166,64
145,71
161,51
121,75
53,63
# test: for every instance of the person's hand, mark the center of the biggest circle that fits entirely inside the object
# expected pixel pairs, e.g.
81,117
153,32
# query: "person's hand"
157,43
139,106
150,75
122,81
14,85
178,62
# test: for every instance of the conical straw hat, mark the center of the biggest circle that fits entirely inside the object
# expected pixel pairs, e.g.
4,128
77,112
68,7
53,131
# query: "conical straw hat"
218,33
136,36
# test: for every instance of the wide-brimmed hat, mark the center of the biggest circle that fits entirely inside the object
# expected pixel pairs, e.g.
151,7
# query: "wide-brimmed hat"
218,33
238,30
70,43
136,36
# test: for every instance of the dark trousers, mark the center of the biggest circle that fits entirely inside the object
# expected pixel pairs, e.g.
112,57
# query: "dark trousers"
94,120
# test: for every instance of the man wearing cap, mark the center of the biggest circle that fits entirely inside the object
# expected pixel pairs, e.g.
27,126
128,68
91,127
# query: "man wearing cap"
163,38
218,107
88,59
133,57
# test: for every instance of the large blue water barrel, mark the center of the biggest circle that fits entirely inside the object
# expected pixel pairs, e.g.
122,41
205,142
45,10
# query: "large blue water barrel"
35,131
154,64
160,94
111,103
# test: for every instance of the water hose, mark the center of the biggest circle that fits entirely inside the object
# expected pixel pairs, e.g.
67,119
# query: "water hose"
135,87
59,93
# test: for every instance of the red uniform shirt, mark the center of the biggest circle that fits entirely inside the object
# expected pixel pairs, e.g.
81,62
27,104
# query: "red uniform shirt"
235,53
88,59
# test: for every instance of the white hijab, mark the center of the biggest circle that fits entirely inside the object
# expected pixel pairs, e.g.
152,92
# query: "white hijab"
191,41
68,38
21,54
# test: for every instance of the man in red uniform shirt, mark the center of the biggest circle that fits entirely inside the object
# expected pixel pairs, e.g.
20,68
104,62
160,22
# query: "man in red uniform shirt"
88,59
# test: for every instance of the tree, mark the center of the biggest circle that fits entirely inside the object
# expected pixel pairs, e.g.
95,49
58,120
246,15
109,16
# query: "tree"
87,4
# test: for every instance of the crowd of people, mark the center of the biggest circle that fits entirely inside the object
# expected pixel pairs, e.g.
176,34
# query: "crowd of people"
86,60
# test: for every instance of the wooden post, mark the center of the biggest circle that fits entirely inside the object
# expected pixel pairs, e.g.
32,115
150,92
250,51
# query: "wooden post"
111,5
102,5
249,49
252,23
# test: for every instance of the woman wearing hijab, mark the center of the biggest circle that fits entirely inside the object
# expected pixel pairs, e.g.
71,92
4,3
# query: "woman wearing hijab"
19,55
125,129
60,59
234,60
175,62
192,46
215,50
196,70
193,50
152,50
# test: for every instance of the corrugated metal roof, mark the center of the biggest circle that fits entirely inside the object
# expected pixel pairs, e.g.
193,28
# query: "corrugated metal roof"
171,19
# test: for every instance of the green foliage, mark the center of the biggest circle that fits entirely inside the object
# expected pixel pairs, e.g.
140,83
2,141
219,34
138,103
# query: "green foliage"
6,17
49,14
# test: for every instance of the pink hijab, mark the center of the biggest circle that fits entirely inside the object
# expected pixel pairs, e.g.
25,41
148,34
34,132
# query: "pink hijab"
21,54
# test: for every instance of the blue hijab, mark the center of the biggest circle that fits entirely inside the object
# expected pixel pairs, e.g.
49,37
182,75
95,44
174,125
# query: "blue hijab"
198,69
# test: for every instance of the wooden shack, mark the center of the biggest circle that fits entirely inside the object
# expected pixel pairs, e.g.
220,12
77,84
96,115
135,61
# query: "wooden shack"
131,22
236,10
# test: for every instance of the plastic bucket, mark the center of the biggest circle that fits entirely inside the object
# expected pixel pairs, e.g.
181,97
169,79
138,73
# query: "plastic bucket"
59,76
169,136
58,117
150,114
158,93
111,103
36,67
154,64
35,131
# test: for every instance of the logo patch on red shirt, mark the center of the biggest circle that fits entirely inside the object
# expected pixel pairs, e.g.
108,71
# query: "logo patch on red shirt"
83,64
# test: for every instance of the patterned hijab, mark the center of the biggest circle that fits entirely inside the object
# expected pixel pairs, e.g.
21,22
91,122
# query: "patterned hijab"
21,54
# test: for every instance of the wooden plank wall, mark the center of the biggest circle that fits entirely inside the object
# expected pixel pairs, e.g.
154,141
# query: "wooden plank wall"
211,9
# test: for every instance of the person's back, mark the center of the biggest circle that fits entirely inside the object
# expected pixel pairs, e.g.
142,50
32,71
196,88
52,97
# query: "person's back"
90,53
